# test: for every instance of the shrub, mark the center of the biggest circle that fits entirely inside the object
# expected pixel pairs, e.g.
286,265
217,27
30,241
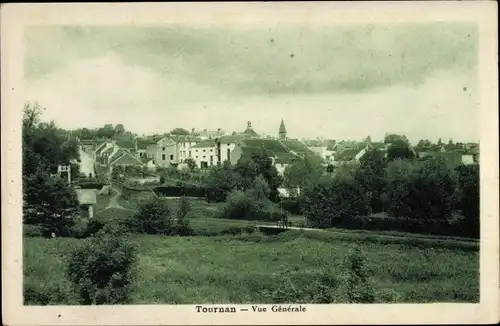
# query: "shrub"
182,222
424,191
330,201
153,217
102,269
359,285
30,230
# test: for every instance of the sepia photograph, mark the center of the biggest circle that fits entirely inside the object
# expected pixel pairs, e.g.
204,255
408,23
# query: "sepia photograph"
251,167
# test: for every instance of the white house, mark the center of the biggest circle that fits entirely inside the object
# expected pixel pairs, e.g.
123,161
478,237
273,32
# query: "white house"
204,154
166,152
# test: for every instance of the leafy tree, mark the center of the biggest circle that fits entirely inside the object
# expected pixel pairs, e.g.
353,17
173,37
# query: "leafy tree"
425,191
119,129
260,189
153,217
50,202
266,168
102,270
391,138
183,225
303,173
190,163
180,132
221,181
371,176
468,195
330,201
399,150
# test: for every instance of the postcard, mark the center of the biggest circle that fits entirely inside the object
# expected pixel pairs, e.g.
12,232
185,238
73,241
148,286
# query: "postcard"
259,163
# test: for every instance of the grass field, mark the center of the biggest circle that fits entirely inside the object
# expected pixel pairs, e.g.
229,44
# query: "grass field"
244,268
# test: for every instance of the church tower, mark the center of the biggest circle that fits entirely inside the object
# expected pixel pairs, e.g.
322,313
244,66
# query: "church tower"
282,131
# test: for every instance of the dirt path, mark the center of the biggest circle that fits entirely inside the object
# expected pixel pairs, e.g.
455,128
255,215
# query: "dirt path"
113,201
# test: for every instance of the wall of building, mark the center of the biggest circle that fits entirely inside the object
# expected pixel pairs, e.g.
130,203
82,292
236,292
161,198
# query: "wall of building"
202,155
166,153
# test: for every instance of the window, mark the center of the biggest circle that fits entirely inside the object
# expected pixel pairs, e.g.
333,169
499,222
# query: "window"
163,148
204,156
153,161
171,157
196,151
196,156
163,157
211,160
203,150
211,149
229,154
189,154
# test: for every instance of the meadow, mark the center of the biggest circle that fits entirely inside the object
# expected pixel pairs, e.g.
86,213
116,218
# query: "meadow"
252,267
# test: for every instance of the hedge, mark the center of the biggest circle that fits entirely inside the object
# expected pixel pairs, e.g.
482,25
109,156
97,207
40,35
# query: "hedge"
398,224
179,191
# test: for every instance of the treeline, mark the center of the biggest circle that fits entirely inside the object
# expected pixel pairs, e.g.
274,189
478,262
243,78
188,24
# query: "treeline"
415,195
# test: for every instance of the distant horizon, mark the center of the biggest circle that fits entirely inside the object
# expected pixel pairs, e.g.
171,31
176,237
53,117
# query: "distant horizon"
335,82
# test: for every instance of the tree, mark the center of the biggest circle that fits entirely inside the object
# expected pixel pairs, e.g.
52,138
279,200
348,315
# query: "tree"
371,176
182,221
330,201
468,196
424,190
266,168
190,163
180,132
102,270
153,217
119,129
303,173
399,150
49,202
391,138
221,181
260,189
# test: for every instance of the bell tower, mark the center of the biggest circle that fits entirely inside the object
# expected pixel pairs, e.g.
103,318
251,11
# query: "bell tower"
282,131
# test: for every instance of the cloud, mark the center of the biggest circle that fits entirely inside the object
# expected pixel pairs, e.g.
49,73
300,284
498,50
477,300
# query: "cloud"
297,58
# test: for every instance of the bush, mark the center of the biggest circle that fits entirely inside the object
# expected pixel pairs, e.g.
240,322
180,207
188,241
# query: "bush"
359,285
102,269
330,201
30,230
423,191
153,217
182,222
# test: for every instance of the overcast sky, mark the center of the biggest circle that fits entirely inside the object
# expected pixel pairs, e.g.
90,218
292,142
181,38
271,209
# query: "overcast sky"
339,82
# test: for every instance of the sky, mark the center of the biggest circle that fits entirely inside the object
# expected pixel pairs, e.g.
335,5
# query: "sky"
336,82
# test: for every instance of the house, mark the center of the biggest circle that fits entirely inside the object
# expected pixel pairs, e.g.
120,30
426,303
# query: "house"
125,143
184,143
281,164
87,198
319,147
124,158
208,134
146,146
204,154
148,162
166,152
228,148
105,145
452,159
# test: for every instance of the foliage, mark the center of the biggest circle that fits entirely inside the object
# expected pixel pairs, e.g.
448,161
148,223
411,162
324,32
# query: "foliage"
102,269
371,176
180,131
468,195
221,181
182,222
259,164
399,149
190,163
153,217
359,285
260,189
303,173
427,191
49,202
330,201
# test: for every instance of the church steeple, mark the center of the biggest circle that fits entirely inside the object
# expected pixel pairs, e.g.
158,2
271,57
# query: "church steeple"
282,130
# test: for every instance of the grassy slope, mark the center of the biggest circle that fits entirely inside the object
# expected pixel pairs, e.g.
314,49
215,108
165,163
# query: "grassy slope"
238,269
